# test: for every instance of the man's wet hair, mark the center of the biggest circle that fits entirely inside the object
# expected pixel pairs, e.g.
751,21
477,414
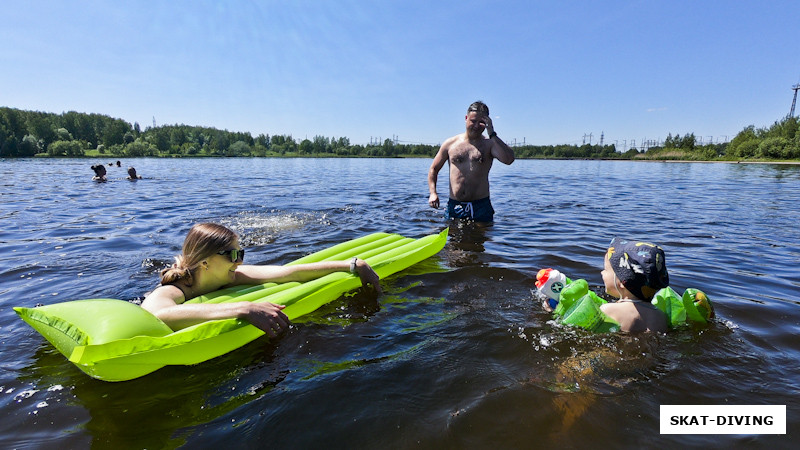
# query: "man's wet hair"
479,107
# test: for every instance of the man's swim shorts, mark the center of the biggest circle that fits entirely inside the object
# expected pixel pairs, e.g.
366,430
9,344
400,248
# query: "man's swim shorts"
479,210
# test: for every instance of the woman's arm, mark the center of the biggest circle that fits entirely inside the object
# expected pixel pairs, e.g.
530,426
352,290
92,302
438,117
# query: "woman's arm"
162,303
304,272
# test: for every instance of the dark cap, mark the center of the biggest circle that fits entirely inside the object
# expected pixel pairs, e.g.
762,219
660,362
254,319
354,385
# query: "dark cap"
640,266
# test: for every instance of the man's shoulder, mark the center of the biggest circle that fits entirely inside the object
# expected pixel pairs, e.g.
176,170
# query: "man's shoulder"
449,142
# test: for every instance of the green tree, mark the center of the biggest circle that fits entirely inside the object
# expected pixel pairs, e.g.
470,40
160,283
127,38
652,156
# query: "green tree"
260,150
41,126
290,144
116,149
263,140
238,148
669,142
278,140
177,136
221,141
306,147
62,134
66,148
114,132
773,147
29,146
747,149
81,126
786,128
321,144
688,142
140,147
735,146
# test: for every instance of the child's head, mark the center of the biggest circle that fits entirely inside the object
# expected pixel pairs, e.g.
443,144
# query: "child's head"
639,266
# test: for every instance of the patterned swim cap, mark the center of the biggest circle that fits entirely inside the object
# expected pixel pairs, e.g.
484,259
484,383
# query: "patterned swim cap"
639,265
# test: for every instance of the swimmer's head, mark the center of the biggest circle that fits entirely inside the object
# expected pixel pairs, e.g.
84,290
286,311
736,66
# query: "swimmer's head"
99,170
640,266
131,172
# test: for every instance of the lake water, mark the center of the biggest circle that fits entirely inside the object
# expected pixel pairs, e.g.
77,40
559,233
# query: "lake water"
456,353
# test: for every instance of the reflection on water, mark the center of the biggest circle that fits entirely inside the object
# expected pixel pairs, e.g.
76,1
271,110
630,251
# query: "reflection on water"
456,353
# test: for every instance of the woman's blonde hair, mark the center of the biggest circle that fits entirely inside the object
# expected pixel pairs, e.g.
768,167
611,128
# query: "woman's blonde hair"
203,240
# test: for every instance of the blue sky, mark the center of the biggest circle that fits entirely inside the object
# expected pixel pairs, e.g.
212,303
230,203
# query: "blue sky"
550,71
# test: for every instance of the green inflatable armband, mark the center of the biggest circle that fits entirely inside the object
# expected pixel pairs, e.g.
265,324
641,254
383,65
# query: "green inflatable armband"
670,304
698,305
570,294
580,307
692,306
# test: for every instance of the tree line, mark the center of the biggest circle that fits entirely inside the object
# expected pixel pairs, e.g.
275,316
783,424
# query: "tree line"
73,134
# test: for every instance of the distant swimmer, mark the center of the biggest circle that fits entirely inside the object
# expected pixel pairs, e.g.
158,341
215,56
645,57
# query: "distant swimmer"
470,156
132,174
99,172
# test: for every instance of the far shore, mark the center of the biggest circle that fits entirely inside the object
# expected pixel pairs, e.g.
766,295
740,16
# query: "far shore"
722,162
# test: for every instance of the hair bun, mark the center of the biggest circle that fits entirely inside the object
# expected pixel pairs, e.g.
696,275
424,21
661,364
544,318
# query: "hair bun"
177,272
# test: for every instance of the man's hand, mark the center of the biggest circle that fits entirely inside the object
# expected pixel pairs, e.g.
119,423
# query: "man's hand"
487,122
433,201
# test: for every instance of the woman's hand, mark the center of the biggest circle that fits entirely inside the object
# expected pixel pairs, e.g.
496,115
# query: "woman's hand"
268,317
368,276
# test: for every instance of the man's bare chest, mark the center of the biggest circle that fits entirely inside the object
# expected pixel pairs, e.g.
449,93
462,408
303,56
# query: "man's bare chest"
467,155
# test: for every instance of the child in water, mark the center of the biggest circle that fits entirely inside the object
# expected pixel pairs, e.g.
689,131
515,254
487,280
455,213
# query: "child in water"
634,271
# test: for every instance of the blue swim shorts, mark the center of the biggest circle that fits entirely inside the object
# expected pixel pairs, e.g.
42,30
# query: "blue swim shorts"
479,210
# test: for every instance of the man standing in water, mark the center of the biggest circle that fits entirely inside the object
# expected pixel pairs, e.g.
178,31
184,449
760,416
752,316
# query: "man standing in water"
470,156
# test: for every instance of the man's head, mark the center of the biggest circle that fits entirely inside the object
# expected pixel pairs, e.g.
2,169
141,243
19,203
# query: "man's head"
478,107
640,266
476,113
